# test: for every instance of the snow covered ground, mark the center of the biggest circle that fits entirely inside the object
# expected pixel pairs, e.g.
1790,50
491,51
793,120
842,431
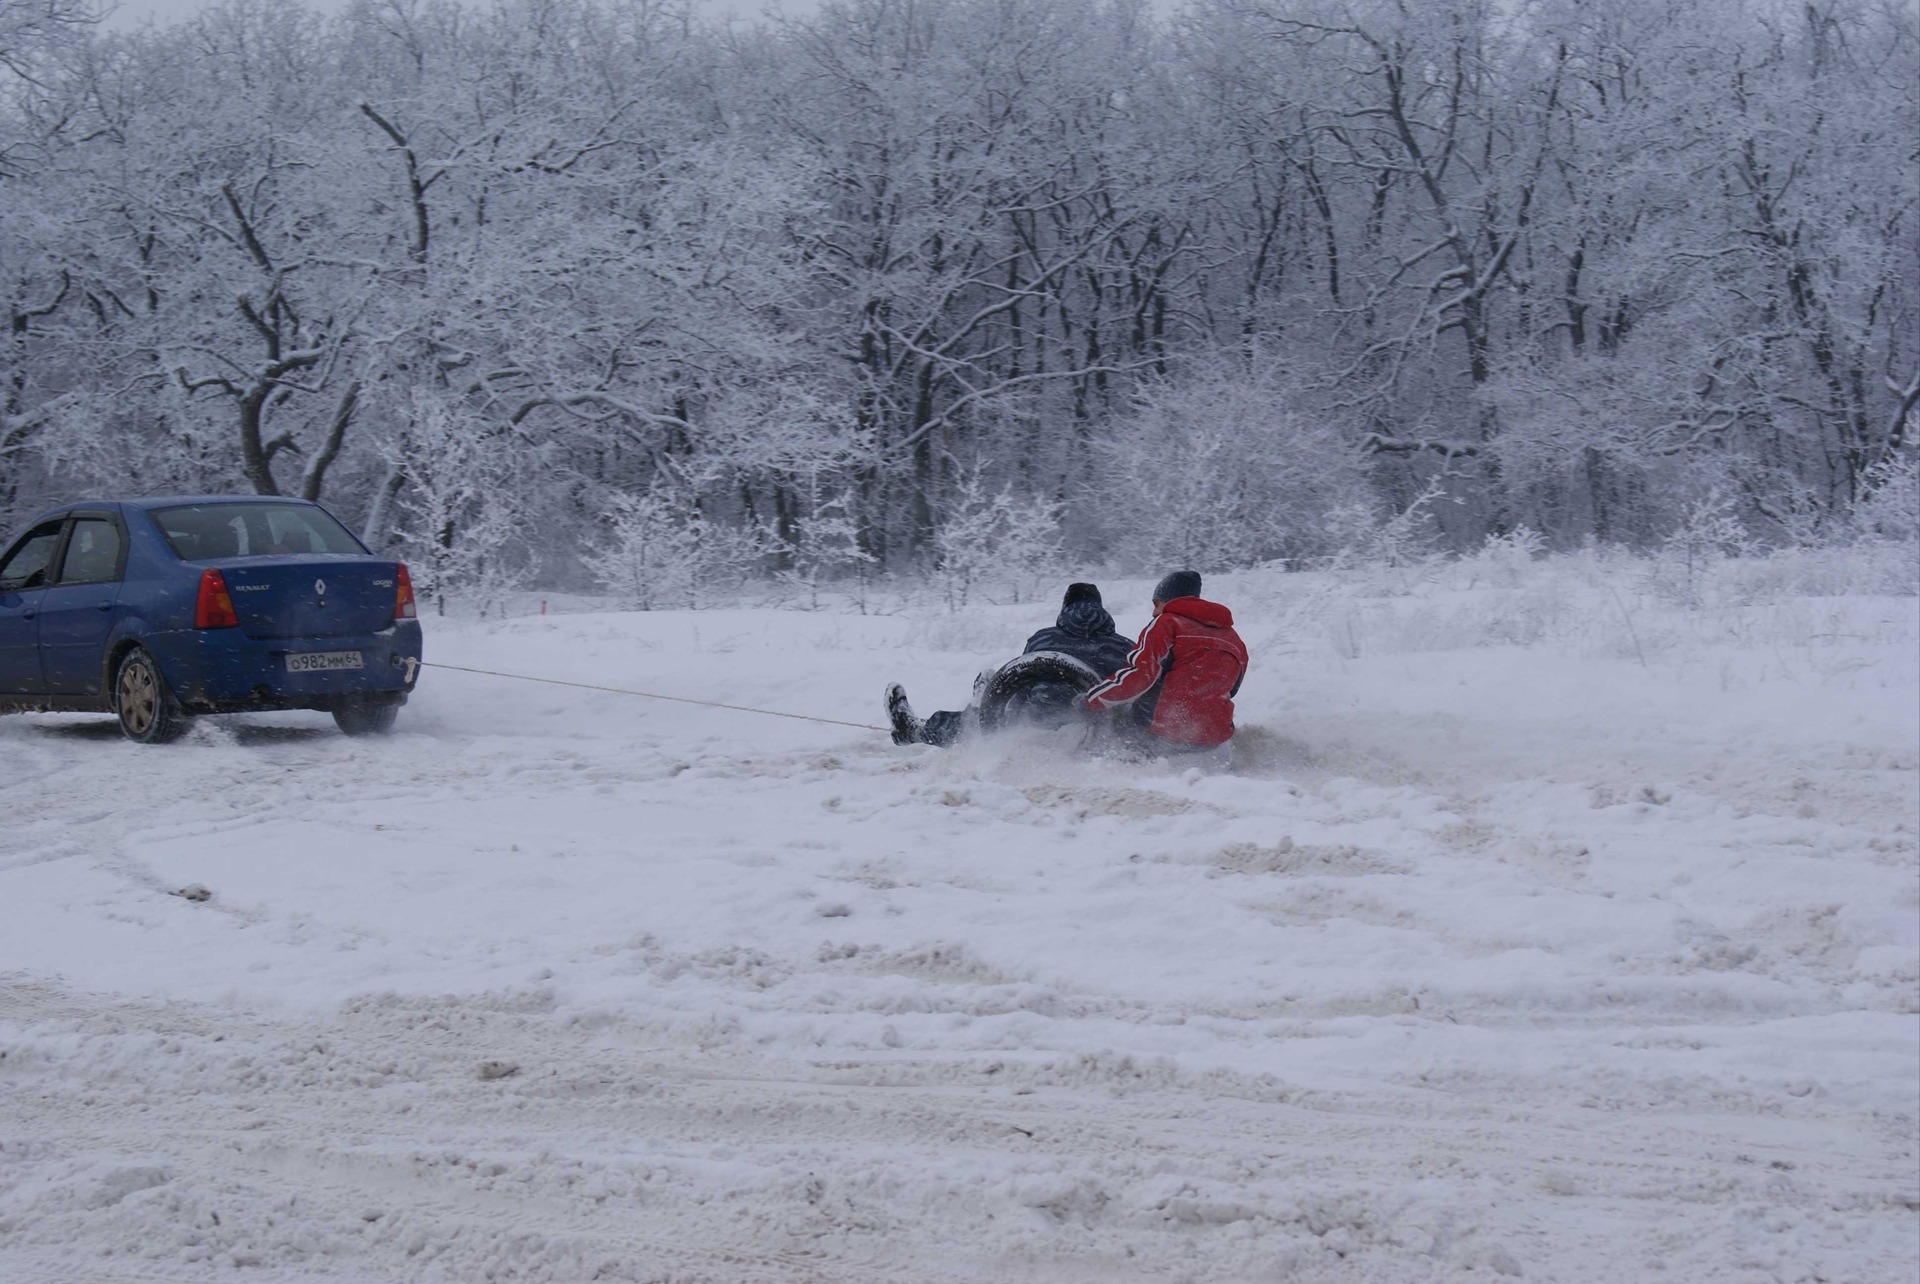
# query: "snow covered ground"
1546,928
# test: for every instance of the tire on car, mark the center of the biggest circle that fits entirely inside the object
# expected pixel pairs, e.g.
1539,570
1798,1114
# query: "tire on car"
148,713
365,717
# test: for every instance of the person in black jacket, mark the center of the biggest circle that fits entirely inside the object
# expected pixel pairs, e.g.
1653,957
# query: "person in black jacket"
1083,631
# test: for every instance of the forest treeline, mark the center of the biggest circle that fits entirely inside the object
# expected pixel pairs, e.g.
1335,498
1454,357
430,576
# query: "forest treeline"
532,284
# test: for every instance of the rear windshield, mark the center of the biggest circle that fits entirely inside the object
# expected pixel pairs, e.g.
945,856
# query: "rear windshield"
201,532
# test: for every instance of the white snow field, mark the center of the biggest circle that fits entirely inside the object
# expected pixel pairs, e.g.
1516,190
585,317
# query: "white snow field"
1546,927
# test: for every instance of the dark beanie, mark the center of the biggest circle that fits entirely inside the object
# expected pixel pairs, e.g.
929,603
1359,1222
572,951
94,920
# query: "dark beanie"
1080,593
1178,584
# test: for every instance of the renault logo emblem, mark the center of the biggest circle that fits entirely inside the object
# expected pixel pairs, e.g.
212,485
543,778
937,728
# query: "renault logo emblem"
319,588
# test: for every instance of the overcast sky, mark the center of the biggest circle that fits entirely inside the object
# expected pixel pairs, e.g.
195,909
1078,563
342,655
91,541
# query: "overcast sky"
133,13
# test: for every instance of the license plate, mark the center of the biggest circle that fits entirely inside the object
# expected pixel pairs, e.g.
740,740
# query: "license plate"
317,661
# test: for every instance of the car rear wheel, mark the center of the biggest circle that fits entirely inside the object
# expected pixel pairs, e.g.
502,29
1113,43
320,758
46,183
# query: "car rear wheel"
147,710
365,719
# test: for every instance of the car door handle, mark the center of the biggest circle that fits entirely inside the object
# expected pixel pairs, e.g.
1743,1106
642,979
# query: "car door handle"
103,606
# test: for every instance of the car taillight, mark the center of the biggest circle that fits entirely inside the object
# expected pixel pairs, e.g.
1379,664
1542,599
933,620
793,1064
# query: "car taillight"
213,608
403,608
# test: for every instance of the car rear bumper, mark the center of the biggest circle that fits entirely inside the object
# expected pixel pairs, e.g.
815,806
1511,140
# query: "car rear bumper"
225,671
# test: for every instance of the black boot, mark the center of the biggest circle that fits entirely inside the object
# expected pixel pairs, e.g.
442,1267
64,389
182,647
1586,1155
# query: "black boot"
907,729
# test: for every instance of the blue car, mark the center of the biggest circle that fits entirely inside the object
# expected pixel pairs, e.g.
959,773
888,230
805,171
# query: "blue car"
159,609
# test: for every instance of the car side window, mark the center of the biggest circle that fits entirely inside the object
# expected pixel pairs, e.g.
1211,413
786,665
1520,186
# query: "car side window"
31,560
93,552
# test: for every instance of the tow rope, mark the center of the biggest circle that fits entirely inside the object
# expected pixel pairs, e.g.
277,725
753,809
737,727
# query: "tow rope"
650,695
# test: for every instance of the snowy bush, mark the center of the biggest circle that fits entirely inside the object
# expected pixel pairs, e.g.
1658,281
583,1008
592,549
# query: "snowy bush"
661,551
1891,508
1708,533
1840,569
1889,517
457,524
1507,556
1393,551
1220,471
826,549
995,539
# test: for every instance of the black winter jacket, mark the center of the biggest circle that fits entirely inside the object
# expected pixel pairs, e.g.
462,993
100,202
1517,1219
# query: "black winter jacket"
1085,631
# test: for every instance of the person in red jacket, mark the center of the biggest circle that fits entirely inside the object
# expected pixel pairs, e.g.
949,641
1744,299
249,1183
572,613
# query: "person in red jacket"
1181,676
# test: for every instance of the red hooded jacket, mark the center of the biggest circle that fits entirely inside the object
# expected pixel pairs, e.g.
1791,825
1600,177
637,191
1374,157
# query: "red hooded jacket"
1190,662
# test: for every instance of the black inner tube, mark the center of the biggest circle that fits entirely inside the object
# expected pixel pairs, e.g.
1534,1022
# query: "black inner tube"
1041,689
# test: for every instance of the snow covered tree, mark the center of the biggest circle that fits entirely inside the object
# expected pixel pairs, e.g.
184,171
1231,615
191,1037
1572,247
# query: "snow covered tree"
456,522
858,269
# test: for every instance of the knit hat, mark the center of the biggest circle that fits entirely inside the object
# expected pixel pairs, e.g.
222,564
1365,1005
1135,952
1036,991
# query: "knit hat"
1080,593
1177,584
1085,618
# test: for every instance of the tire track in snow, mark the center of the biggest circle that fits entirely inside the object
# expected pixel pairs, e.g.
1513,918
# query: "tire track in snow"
737,1064
440,1156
